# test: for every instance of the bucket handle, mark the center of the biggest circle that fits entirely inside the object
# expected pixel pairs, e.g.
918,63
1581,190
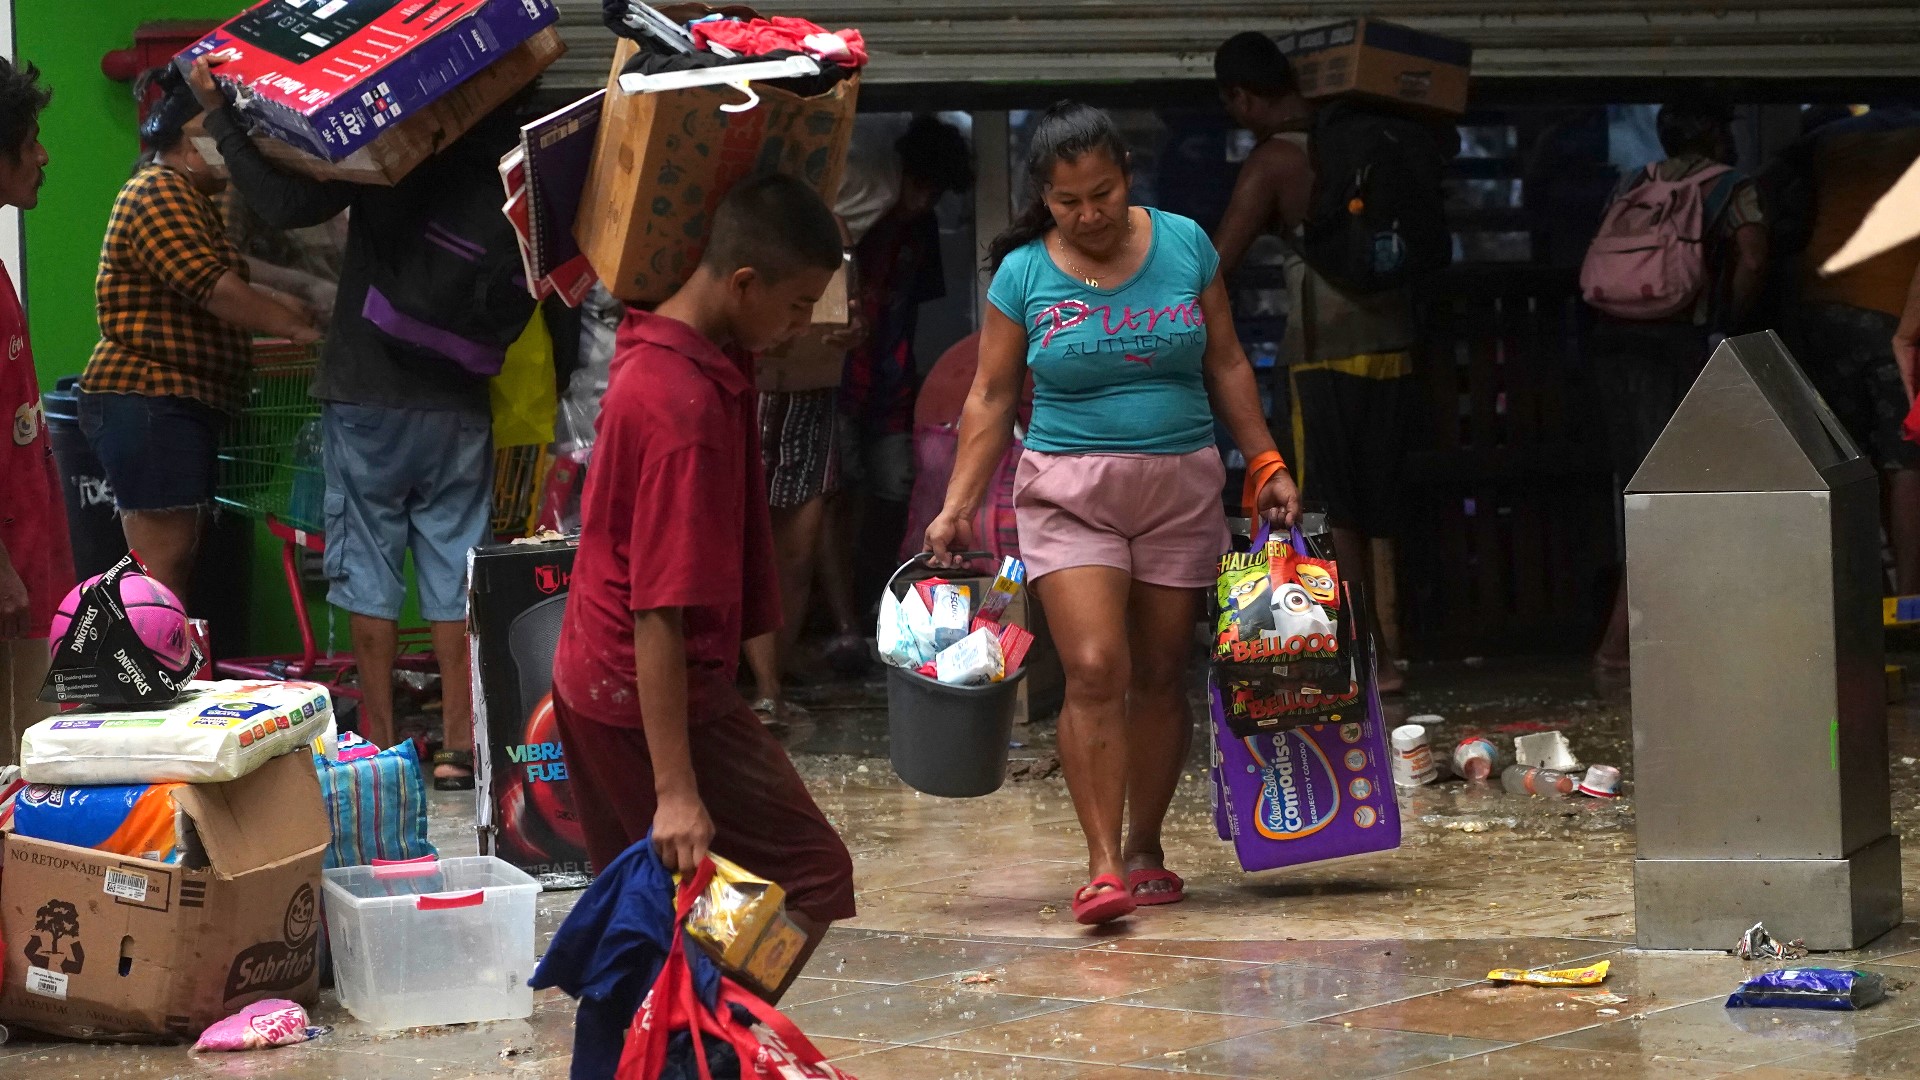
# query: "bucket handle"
927,557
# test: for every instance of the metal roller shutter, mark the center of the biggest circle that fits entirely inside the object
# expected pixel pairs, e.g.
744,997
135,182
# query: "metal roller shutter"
1083,41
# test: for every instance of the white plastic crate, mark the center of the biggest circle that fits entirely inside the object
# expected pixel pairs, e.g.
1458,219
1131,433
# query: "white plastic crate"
446,941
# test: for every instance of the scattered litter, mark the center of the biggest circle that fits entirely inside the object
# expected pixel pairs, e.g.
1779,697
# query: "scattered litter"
1044,767
3,1035
259,1026
1757,944
1601,782
1475,758
1592,975
1602,998
979,979
510,1052
1545,750
1412,758
1831,989
1607,1012
1907,761
1049,909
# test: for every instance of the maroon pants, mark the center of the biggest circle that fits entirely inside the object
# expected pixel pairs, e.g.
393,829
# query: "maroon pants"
763,818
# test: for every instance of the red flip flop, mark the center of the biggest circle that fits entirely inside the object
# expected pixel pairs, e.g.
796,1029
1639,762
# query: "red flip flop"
1091,907
1152,898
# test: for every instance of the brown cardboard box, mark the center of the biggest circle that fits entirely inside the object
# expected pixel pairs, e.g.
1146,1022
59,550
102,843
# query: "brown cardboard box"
665,160
1381,61
393,155
119,948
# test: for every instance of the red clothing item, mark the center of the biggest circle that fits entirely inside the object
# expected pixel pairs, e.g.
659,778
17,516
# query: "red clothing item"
33,514
783,33
674,516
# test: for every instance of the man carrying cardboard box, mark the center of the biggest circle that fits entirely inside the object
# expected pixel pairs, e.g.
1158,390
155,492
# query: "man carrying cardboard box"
408,440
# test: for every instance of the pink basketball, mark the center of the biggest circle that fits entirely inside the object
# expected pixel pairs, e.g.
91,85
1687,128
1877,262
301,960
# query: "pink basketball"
155,612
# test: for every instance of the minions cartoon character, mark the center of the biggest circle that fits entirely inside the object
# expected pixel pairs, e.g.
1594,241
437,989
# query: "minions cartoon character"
1249,610
1317,578
1296,615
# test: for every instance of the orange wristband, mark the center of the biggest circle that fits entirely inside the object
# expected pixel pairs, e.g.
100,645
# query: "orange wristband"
1259,471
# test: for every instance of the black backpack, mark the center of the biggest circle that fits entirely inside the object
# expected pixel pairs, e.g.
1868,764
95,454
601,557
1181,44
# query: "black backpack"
449,281
1378,217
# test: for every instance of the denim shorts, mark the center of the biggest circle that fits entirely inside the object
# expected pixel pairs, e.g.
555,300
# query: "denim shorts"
158,450
401,480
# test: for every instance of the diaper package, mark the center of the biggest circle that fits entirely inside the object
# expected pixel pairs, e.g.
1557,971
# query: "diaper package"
215,731
139,821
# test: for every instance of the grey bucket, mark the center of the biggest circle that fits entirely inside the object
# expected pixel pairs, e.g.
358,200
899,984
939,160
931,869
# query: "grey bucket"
949,741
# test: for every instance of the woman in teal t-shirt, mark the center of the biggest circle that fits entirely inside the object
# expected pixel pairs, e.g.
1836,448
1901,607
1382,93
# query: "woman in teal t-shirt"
1118,497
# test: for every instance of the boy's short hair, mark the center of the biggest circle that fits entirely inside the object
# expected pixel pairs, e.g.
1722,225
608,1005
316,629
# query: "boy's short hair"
1693,124
775,224
1253,62
21,99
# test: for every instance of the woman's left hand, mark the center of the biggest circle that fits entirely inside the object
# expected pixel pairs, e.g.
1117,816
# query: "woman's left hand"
1279,501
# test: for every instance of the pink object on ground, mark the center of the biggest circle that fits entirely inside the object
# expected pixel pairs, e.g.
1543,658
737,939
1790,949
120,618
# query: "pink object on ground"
260,1026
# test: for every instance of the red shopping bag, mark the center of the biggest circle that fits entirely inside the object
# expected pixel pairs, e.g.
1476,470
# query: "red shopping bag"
771,1048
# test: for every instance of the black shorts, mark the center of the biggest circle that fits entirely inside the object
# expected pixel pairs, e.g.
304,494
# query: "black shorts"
800,442
160,452
1847,352
1350,421
1642,370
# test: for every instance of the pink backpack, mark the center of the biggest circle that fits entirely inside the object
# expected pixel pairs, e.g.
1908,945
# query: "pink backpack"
1649,259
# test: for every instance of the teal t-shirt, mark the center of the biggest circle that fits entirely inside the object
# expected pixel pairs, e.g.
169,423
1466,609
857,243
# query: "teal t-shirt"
1116,371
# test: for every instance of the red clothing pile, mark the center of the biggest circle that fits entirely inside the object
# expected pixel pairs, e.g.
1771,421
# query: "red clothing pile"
783,33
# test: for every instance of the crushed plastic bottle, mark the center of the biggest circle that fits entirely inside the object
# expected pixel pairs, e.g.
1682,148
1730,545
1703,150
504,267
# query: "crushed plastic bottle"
1521,780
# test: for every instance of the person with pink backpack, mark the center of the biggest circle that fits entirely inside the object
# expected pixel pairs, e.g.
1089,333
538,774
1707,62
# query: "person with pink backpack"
1678,261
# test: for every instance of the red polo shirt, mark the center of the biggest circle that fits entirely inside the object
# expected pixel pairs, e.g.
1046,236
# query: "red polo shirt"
33,516
674,516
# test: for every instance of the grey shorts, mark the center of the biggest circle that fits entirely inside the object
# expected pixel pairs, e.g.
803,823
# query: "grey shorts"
401,480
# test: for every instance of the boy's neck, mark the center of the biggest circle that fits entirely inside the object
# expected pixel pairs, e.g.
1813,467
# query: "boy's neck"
1290,113
701,304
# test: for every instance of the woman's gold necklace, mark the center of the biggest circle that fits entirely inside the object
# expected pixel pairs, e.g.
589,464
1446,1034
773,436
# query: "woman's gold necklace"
1074,268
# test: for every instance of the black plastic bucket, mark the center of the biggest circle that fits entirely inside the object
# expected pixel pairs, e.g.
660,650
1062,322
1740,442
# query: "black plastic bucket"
950,741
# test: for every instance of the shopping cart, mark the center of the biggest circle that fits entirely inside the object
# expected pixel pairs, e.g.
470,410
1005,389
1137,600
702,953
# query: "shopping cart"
270,470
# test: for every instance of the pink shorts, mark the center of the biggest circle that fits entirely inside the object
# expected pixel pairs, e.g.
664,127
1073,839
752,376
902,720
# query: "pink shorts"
1157,516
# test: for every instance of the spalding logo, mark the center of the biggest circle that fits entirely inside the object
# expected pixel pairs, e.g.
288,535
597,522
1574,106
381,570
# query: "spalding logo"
1299,794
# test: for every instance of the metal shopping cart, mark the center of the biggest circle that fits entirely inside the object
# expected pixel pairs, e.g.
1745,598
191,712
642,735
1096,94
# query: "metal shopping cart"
270,470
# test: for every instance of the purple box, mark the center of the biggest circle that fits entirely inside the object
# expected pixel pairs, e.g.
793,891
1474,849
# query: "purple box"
330,76
1306,794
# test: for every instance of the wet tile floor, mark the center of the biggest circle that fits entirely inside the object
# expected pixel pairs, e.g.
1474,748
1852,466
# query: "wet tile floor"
962,963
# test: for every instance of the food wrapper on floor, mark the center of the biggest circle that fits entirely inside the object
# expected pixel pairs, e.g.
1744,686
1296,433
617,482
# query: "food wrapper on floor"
140,820
216,731
1829,989
260,1026
1591,975
741,921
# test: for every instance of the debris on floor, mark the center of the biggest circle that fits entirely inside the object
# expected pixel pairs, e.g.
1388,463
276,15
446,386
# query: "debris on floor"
1757,944
1591,975
1828,989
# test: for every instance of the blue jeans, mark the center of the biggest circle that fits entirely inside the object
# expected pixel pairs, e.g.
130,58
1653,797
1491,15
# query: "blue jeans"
401,480
159,451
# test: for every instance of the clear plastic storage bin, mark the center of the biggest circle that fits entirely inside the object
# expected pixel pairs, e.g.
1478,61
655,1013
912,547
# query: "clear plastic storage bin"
447,941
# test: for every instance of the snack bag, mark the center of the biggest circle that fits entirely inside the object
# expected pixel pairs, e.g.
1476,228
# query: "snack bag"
1832,989
139,821
974,661
1006,586
951,606
1591,975
741,921
1282,656
264,1024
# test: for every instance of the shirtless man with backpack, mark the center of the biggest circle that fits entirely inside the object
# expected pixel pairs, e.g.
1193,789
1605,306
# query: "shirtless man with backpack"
1678,261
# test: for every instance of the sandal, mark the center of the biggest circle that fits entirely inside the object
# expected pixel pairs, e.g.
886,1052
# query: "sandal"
1140,879
457,759
1093,904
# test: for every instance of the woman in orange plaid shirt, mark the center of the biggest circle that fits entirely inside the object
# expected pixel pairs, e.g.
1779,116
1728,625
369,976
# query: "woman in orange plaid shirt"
177,321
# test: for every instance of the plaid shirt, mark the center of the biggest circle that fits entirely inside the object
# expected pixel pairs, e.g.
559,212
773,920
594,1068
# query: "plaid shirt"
165,251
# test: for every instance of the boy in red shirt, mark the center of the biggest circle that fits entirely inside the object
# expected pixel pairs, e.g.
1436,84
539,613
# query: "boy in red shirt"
36,567
676,567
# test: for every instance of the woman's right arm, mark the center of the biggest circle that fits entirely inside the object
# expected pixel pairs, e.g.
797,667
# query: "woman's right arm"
986,427
253,308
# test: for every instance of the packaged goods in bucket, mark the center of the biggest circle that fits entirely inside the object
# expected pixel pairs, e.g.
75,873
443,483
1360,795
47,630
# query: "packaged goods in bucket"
1811,988
937,629
951,612
120,638
137,820
216,731
1007,585
741,921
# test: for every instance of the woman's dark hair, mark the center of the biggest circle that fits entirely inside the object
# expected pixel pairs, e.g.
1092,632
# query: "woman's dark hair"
1064,133
21,99
166,122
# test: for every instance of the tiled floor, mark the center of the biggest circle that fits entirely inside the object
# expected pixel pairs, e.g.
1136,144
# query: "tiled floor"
964,965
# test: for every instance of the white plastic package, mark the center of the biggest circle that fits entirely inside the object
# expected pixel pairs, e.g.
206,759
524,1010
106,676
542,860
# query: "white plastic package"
215,731
952,614
905,631
974,661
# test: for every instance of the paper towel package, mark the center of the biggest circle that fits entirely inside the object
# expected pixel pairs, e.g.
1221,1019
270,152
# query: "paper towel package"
215,732
1307,794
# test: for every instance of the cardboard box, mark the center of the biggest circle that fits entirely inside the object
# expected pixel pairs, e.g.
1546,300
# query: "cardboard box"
665,160
330,76
1381,61
401,149
741,922
525,808
119,948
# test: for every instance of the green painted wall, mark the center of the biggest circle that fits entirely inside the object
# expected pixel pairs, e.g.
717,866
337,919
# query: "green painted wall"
91,142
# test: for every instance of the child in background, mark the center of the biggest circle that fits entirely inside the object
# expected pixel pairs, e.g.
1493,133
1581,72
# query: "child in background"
36,568
676,566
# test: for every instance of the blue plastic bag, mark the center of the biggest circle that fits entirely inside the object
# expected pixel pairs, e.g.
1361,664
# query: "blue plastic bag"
1810,988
